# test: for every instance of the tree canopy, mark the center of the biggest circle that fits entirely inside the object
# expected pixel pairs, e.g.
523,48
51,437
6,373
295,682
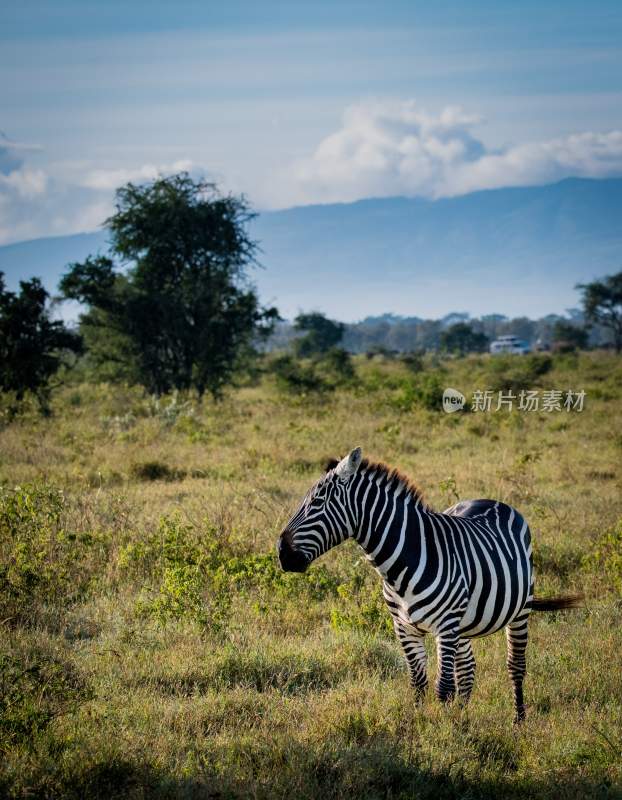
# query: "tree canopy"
602,304
567,336
175,310
321,334
31,344
461,338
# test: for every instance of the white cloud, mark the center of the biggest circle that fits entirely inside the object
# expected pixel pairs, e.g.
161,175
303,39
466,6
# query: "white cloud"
380,149
12,154
110,179
384,149
71,197
27,183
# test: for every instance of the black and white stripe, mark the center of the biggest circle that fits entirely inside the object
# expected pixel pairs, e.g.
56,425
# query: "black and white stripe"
460,574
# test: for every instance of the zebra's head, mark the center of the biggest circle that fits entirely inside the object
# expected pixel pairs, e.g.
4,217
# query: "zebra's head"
324,518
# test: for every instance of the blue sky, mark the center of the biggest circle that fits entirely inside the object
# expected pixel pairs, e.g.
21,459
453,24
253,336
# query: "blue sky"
299,102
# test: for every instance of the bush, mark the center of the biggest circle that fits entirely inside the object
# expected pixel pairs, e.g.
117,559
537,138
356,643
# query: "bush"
196,574
413,361
337,364
32,345
41,563
363,609
297,378
425,391
35,688
180,571
155,471
510,372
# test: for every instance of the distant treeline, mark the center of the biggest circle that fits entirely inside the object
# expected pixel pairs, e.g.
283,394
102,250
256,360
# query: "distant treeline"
171,307
407,334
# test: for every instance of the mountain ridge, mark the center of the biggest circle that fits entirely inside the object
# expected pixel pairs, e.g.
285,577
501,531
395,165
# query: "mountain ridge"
517,250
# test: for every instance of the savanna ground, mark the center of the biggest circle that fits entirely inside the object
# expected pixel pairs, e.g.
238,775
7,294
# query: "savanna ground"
152,648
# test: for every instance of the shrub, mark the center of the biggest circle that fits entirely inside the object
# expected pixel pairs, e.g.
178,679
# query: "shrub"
35,688
413,360
362,609
297,378
196,574
155,471
180,572
424,390
430,392
41,563
510,372
337,364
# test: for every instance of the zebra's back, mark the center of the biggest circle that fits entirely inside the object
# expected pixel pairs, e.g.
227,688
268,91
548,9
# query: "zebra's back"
493,547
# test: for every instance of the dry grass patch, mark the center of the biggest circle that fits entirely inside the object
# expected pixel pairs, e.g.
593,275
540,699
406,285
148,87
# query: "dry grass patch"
171,658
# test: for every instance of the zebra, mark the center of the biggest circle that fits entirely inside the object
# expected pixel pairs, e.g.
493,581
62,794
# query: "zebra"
458,575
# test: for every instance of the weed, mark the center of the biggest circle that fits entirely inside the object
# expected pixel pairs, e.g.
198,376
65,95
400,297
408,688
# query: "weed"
606,555
169,410
35,689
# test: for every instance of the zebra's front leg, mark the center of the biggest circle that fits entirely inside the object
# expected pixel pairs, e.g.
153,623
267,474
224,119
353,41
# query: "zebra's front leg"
446,647
465,669
416,657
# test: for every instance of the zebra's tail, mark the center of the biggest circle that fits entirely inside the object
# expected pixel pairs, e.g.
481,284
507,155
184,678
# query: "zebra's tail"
556,603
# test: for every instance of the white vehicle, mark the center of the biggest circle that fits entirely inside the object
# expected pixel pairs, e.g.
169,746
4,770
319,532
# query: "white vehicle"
509,344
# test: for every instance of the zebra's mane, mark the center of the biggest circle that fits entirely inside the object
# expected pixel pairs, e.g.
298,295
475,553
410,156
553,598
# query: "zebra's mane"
393,477
390,476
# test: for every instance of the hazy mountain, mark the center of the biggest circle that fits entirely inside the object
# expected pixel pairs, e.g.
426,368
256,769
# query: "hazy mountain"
514,251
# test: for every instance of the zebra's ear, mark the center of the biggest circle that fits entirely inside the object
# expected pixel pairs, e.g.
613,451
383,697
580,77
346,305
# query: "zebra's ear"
349,465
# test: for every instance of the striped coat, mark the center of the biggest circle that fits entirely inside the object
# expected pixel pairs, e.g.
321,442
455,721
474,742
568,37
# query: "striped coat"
460,574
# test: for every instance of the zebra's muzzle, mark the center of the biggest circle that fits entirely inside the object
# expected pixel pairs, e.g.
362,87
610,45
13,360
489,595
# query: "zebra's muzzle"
291,560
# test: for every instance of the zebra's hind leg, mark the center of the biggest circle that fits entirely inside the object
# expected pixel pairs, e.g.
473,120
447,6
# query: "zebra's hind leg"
416,657
516,634
446,647
464,669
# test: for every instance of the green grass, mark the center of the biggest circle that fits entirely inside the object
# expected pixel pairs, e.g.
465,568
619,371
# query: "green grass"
151,646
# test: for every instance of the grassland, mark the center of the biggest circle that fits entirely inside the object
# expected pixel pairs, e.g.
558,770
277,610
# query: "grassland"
152,648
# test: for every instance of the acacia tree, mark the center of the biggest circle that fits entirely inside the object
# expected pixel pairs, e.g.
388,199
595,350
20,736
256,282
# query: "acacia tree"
32,346
176,310
602,305
321,334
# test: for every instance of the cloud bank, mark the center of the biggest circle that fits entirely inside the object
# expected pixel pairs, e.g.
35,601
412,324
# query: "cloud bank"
381,149
396,148
71,197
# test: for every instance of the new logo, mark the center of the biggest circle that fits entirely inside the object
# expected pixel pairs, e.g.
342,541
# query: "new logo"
453,400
